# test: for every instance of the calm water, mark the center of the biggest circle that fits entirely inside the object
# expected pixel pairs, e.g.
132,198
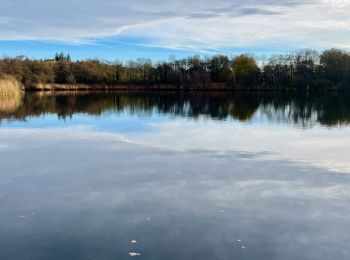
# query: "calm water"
175,176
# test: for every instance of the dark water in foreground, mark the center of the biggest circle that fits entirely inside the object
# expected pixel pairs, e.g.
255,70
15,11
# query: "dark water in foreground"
175,176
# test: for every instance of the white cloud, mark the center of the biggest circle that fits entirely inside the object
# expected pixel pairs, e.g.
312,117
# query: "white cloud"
182,24
309,147
3,146
274,142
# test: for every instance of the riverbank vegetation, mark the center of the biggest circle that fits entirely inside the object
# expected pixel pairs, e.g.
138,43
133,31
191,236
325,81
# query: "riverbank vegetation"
11,94
304,70
10,86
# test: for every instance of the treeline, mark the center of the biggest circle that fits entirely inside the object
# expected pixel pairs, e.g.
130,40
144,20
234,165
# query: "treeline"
304,70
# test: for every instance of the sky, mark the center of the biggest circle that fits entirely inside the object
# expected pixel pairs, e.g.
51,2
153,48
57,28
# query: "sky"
156,29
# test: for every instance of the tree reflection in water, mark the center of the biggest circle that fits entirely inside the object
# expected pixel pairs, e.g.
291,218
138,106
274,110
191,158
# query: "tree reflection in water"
330,109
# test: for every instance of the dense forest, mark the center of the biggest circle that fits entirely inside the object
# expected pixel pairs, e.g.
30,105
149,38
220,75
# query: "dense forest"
303,70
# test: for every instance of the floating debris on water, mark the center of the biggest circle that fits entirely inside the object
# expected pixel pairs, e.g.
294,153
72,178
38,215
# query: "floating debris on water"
133,241
238,240
134,254
243,247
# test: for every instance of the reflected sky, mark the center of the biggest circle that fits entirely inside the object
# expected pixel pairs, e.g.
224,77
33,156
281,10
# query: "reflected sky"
84,185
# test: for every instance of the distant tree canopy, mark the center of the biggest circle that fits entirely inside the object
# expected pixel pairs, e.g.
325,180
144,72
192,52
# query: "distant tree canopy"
304,70
336,65
62,57
245,71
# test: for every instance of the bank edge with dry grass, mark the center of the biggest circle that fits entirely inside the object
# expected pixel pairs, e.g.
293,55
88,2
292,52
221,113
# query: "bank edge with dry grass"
11,94
10,87
141,87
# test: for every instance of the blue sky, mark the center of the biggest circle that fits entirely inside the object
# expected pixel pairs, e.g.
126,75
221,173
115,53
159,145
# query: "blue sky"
122,30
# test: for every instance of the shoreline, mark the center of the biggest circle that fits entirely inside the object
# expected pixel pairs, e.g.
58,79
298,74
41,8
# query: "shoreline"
222,87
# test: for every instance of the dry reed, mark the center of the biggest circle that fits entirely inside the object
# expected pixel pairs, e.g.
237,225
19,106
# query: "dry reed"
11,94
9,86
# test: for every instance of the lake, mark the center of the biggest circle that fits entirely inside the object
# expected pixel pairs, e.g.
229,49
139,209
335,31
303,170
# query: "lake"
171,175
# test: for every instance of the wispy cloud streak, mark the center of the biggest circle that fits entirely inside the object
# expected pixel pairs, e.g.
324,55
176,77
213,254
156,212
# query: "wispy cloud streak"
181,24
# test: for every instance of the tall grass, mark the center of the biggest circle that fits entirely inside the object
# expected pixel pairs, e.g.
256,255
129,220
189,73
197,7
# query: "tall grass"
11,93
9,86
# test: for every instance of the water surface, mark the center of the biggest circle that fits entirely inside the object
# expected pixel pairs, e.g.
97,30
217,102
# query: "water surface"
175,176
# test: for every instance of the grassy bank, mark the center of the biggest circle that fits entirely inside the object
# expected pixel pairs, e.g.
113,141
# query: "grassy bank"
168,87
143,87
11,94
10,87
